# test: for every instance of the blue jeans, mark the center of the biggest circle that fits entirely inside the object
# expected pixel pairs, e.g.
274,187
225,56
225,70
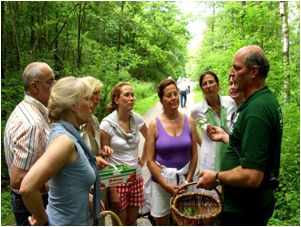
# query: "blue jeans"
183,96
20,211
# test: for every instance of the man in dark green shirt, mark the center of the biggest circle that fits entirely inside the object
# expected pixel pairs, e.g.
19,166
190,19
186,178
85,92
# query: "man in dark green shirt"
253,153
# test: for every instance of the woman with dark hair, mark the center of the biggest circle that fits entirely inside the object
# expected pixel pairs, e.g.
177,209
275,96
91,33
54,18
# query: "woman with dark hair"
213,110
171,151
120,130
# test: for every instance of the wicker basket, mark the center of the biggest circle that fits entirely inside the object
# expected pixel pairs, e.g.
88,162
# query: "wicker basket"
207,207
113,216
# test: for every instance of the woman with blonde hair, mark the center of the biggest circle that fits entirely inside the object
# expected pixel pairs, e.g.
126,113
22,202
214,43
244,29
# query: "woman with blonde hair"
66,164
90,131
120,130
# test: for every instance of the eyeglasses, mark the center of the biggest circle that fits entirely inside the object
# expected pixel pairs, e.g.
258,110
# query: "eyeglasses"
170,95
49,82
208,83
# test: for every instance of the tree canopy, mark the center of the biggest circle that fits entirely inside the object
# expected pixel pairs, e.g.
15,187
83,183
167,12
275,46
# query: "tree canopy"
146,41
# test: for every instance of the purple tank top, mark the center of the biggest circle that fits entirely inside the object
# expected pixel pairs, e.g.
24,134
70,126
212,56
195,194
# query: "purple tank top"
173,151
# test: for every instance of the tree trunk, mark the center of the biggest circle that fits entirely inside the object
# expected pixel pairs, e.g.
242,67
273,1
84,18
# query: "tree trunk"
285,50
213,13
16,35
80,19
56,46
3,46
32,31
118,40
78,35
243,6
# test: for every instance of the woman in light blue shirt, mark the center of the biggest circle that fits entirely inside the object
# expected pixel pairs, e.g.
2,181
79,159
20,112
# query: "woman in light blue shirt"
64,165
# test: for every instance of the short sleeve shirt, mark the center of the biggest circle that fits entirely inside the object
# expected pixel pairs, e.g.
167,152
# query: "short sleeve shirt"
254,137
26,133
124,152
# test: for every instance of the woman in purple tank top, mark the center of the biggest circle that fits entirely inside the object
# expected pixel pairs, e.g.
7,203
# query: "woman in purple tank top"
171,151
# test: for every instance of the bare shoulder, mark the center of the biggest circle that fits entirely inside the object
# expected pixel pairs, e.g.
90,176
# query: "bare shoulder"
152,123
62,143
190,120
152,128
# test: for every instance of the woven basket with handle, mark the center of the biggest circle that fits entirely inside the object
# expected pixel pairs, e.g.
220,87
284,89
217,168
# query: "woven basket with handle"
206,208
113,215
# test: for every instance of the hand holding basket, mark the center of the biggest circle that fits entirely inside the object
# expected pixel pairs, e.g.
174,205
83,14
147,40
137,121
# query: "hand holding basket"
207,207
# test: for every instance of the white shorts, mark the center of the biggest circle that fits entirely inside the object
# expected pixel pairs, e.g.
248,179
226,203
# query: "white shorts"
160,201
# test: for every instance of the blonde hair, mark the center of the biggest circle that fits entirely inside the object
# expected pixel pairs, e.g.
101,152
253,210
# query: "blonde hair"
95,84
65,93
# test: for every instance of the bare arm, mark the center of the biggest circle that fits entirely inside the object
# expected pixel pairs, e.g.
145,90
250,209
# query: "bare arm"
242,177
238,177
61,151
194,153
150,159
199,139
104,138
143,131
216,133
16,176
106,150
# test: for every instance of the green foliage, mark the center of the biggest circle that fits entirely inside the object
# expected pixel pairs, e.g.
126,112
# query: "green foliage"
236,24
7,217
143,105
112,41
145,96
198,95
287,210
144,42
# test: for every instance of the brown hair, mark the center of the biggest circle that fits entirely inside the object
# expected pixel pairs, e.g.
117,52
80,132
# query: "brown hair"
163,84
208,73
115,93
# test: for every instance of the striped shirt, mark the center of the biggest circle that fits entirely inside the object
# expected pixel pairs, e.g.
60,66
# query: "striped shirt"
26,134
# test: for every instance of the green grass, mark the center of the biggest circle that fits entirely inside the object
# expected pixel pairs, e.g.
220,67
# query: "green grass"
146,96
198,95
7,217
142,106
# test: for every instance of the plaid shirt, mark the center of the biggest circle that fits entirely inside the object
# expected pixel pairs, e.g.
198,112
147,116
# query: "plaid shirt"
26,134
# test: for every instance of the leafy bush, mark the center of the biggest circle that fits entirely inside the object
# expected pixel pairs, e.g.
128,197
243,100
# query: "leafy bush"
7,217
287,209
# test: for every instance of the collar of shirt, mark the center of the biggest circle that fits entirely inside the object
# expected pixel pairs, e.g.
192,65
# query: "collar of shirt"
253,96
205,105
31,100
